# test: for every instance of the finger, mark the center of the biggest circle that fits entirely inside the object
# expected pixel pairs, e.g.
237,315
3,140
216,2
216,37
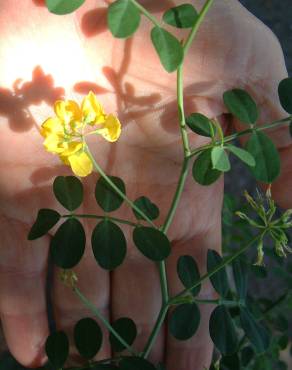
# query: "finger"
93,282
195,353
23,266
136,295
263,85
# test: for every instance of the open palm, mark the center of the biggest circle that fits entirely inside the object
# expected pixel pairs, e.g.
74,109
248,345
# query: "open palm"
44,58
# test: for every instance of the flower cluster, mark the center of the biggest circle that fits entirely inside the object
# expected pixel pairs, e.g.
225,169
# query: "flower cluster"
265,209
65,133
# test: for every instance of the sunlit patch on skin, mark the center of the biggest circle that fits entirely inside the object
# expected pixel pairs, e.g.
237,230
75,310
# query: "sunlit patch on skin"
63,61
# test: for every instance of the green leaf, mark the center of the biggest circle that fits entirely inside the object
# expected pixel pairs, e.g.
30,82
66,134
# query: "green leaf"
283,342
242,154
123,18
220,159
200,124
230,362
87,337
240,273
46,219
61,7
68,191
126,328
222,331
103,367
135,363
152,243
188,273
109,245
168,48
219,280
146,206
184,321
106,196
241,105
255,332
203,171
267,158
57,348
182,16
247,354
285,94
68,244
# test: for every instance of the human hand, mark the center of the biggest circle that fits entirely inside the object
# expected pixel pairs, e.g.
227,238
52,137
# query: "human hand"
128,80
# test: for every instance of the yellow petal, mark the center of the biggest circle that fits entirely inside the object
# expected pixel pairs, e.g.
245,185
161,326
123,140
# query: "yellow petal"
64,159
53,143
92,110
68,111
111,129
80,163
50,126
71,148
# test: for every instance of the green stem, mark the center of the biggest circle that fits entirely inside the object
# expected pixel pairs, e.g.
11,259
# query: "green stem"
177,195
181,181
194,30
163,282
98,314
207,301
117,190
118,220
225,262
236,135
146,13
155,331
181,111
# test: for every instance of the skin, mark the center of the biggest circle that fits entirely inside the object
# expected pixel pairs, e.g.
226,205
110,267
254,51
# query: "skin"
233,49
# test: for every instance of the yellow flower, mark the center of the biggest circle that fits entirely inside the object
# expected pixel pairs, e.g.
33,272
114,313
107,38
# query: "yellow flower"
65,134
92,110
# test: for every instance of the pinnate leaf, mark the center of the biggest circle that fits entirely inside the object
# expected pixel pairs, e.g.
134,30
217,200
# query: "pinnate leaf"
107,198
108,244
188,272
242,154
241,105
182,16
126,328
69,191
219,280
255,332
61,7
123,18
151,242
266,156
222,331
168,48
46,219
203,171
68,244
147,207
184,321
220,159
87,337
57,349
200,124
